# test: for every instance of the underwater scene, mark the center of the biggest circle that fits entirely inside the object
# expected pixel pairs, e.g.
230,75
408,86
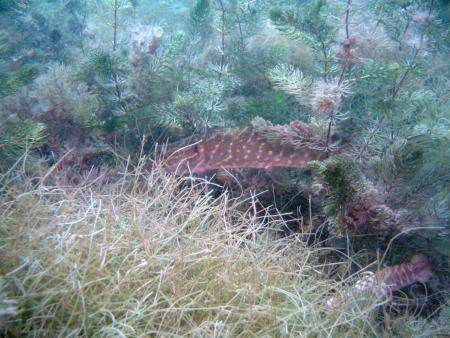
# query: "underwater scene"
224,168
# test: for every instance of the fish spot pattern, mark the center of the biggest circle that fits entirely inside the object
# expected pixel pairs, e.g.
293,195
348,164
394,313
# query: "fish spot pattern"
239,149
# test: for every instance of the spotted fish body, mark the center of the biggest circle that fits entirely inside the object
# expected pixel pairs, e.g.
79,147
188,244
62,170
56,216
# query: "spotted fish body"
417,270
239,149
389,279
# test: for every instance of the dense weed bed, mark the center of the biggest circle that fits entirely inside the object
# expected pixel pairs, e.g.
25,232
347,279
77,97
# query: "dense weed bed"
156,255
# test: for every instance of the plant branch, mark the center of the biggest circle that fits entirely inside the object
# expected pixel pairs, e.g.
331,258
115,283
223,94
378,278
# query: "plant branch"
115,14
83,27
396,87
241,36
347,13
118,92
379,17
344,69
325,60
222,33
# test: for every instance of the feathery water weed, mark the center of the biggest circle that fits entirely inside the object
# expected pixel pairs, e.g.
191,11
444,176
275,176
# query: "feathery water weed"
157,255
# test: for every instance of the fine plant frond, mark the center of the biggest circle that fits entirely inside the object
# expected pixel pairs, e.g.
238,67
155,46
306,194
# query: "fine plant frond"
101,64
58,87
14,141
341,176
296,134
200,18
8,307
292,81
404,158
153,255
307,24
10,82
416,168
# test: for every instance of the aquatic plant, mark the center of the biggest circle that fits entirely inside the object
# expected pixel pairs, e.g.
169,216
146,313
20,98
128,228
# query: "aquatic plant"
149,255
200,18
16,139
319,125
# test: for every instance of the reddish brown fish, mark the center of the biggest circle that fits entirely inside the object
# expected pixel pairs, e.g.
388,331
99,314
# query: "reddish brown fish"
418,269
390,279
239,149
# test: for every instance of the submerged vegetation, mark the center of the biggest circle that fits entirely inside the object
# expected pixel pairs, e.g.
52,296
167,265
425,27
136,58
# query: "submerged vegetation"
98,239
147,255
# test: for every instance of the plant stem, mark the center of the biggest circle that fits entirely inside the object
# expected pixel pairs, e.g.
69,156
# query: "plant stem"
412,64
83,27
118,92
330,122
240,31
347,13
115,9
379,17
324,51
325,60
342,76
222,32
397,85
